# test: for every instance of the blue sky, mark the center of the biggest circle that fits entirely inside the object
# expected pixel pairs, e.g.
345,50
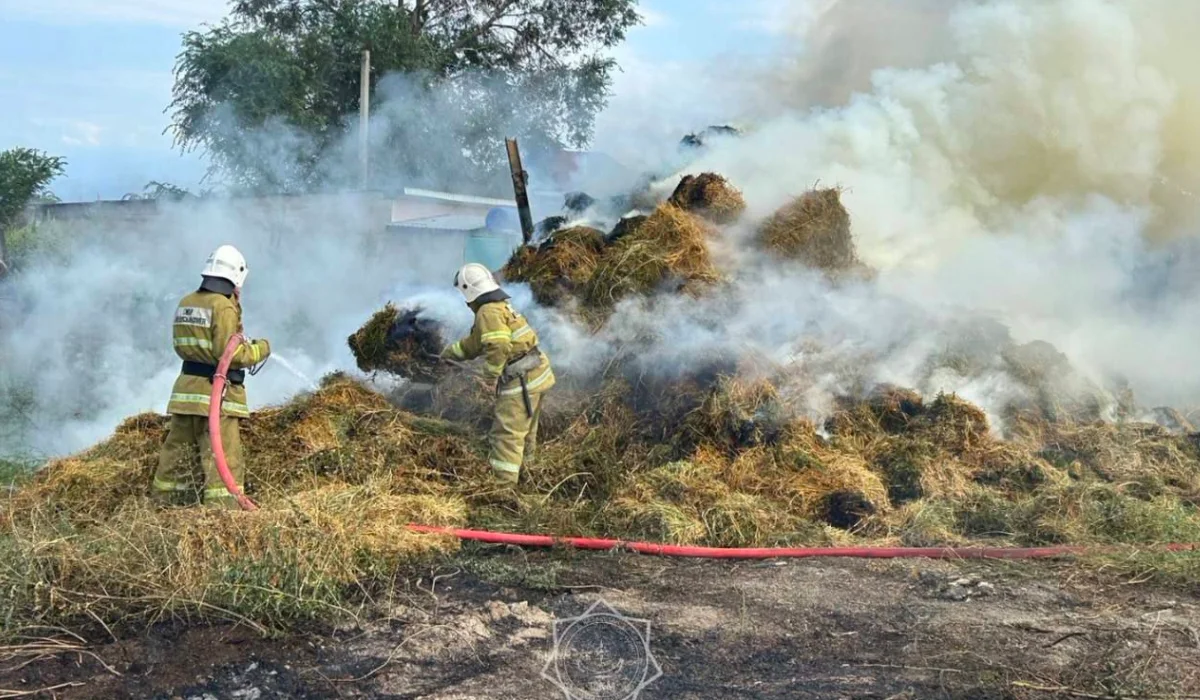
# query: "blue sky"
90,80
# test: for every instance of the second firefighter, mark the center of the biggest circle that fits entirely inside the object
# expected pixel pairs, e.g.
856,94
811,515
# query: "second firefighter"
513,363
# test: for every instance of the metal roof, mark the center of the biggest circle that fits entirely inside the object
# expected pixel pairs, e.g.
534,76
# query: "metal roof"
467,198
446,222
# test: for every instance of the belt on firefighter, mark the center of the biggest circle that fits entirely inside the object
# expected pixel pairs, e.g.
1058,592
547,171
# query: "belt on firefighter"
521,365
201,369
516,368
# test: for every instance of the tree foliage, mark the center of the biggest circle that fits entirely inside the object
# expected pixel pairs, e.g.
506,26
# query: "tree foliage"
25,176
270,93
155,190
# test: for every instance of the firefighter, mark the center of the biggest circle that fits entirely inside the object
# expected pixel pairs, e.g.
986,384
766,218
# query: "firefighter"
204,322
514,367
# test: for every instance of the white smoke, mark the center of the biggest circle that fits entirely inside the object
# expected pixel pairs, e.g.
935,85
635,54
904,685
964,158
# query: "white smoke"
1026,160
1021,160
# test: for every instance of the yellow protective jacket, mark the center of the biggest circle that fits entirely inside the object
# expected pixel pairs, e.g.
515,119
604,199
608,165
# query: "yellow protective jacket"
204,321
501,335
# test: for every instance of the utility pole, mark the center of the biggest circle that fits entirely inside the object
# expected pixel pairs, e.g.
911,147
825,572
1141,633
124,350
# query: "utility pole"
3,252
520,180
364,113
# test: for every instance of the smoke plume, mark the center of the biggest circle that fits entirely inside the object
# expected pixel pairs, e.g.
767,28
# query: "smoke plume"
1023,162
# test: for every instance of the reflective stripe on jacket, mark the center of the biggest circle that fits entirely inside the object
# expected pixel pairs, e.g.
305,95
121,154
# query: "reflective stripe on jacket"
204,322
499,335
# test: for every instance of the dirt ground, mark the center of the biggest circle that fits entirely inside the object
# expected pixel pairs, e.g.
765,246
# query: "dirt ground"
483,626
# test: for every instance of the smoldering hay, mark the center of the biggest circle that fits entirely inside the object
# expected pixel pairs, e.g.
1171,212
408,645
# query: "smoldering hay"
1033,164
1028,190
1019,200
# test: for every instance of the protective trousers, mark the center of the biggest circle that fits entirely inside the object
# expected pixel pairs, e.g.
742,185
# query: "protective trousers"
514,435
186,465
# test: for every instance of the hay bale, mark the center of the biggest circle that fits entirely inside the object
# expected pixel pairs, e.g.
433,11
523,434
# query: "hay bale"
887,408
813,229
669,246
1145,459
560,266
895,407
969,347
400,342
98,482
594,453
709,195
691,502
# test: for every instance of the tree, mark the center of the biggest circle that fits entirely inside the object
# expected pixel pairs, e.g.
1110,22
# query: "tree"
25,175
271,92
155,190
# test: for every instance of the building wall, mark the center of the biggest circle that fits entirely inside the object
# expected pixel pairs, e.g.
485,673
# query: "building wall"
370,222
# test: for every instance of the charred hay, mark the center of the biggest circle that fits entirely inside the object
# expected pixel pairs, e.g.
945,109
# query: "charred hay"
558,268
401,342
709,195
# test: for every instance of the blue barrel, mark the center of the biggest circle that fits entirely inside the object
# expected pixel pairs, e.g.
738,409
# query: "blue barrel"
494,244
490,248
503,219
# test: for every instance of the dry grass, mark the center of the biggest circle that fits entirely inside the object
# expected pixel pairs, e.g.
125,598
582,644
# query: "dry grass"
711,196
712,459
814,229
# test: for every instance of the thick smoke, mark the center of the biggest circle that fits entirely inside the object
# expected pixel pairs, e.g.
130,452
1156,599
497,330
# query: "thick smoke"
1015,160
1031,170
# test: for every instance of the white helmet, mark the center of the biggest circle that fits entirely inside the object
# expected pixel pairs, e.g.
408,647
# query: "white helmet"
474,280
227,263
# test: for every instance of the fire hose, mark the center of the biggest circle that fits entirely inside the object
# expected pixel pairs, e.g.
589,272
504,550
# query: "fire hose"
779,552
214,422
651,548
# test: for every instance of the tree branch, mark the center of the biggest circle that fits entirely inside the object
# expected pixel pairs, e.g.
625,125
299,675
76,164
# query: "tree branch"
485,26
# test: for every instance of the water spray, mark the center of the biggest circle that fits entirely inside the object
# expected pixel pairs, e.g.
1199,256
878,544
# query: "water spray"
292,368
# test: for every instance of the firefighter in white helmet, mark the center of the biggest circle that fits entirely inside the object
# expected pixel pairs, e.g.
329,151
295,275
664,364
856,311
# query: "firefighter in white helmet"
204,322
513,364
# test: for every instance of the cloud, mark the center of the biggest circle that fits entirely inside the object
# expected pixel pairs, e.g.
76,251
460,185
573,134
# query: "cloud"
72,132
652,18
81,133
172,13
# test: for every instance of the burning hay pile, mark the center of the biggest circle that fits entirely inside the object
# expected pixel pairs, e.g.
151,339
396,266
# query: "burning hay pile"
401,342
720,461
718,456
667,251
559,267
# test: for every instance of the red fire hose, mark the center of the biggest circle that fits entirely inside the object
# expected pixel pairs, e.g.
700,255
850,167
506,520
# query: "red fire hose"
775,552
214,423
